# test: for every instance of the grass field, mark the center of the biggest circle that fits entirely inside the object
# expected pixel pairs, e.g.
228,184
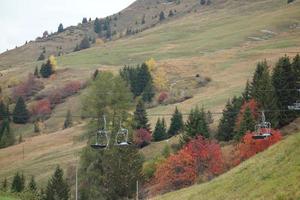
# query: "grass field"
40,155
273,174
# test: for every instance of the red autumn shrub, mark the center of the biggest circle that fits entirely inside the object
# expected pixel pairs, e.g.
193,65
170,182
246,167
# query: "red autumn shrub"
41,109
163,96
27,88
252,104
71,88
249,146
207,155
200,158
142,138
176,172
55,97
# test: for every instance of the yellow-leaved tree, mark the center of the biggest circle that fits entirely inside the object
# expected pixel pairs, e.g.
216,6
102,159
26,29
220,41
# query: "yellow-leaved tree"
158,74
53,63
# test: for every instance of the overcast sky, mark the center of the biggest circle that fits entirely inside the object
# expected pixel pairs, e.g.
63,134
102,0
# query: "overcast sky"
22,20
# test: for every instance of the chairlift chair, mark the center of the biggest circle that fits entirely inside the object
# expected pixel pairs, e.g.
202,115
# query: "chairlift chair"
101,144
122,137
102,139
296,106
263,129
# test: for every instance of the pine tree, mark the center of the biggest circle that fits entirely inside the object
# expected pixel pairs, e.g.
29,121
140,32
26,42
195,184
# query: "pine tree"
41,57
263,92
296,69
159,133
57,187
18,183
202,2
161,16
32,185
36,72
3,111
7,137
176,123
284,81
196,125
4,185
68,121
97,26
60,28
247,124
84,20
144,78
20,114
148,92
46,69
85,43
247,92
140,117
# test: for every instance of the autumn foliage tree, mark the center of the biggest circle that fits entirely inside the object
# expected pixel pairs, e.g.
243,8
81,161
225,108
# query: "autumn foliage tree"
246,118
41,109
207,155
201,159
27,88
249,146
176,172
142,138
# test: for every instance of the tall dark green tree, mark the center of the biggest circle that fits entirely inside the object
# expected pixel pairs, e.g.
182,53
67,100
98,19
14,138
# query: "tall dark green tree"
20,113
85,43
196,125
296,69
160,131
3,111
4,185
161,16
247,92
140,80
148,92
84,20
284,81
176,123
68,121
140,117
247,124
7,137
109,174
60,28
18,183
263,92
36,72
57,187
46,69
97,26
32,185
144,78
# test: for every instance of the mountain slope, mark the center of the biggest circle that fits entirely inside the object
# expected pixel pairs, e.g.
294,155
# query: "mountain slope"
130,19
273,174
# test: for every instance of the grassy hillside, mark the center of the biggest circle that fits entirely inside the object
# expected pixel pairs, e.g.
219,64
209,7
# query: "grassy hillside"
40,155
128,19
273,174
223,41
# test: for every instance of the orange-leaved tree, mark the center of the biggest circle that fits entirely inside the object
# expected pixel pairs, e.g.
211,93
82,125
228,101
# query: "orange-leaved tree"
200,159
249,146
207,155
176,172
